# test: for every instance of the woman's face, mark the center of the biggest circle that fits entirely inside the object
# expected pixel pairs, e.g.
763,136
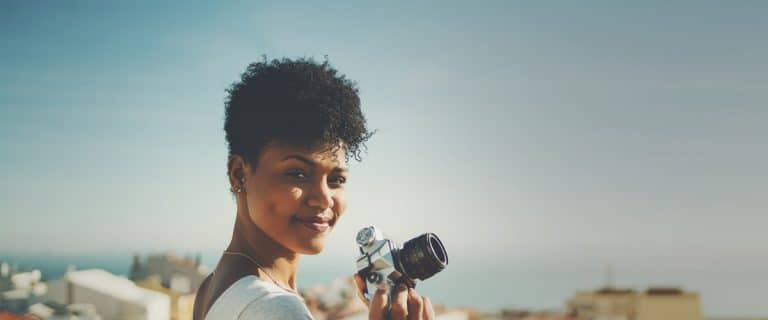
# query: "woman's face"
296,195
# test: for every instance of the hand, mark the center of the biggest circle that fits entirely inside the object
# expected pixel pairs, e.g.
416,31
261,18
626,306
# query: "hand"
407,305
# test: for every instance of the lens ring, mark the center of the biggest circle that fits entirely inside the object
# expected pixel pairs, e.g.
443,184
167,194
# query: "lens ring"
437,248
422,257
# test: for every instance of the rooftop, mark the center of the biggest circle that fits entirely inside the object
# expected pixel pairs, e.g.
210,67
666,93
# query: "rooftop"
113,285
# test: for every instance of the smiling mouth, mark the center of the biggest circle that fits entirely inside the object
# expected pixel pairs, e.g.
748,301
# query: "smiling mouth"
315,225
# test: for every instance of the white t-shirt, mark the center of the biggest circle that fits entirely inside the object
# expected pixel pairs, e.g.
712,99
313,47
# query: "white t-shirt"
253,298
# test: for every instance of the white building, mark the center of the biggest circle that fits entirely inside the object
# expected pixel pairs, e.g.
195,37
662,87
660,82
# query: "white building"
55,311
113,296
19,290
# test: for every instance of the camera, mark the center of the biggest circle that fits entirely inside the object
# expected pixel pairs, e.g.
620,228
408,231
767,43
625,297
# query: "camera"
381,260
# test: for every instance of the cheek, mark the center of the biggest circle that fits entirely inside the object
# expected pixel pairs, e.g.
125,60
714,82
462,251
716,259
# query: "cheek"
276,202
340,204
286,202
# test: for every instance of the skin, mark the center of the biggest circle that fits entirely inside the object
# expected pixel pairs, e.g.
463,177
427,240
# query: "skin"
287,186
407,305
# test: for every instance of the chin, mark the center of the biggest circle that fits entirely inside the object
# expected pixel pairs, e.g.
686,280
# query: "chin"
312,248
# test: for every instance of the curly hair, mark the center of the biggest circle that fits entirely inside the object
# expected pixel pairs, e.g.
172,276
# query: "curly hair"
299,102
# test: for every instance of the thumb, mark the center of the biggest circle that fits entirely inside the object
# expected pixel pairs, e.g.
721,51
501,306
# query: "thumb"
379,302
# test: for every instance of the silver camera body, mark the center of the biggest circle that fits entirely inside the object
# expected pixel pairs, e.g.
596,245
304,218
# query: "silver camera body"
376,263
381,260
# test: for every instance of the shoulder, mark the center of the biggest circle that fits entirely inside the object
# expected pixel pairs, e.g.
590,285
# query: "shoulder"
200,300
276,306
253,298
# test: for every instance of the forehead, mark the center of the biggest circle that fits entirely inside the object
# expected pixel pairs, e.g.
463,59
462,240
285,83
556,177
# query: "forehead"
326,155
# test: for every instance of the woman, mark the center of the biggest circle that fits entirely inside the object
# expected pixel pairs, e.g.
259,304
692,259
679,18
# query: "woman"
291,126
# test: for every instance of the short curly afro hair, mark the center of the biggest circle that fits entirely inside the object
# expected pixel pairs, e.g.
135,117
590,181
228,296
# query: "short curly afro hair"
299,102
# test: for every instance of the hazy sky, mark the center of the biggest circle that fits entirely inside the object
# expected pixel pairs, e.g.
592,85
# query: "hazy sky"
521,133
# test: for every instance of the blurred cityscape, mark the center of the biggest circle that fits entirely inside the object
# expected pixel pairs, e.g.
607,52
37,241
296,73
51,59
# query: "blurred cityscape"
163,286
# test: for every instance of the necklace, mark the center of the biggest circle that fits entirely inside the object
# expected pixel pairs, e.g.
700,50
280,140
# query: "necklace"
238,253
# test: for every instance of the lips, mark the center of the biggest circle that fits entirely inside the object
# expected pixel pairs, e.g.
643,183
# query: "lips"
319,227
318,224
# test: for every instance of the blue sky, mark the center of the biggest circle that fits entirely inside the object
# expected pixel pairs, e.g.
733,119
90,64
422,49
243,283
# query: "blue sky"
536,133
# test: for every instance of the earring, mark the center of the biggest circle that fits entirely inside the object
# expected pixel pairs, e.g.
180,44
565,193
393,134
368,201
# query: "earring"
239,188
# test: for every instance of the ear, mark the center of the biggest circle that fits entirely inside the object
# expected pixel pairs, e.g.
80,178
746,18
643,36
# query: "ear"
236,169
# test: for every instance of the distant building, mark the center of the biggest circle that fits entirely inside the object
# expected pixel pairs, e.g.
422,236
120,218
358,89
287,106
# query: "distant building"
19,290
508,314
182,304
113,297
626,304
176,273
52,310
5,276
176,277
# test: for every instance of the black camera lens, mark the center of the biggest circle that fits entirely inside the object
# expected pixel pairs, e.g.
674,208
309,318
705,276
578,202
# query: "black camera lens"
423,256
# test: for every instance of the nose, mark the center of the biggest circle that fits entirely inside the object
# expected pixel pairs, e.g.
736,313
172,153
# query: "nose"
321,197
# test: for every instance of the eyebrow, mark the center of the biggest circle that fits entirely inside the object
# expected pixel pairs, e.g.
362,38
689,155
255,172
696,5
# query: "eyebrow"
310,162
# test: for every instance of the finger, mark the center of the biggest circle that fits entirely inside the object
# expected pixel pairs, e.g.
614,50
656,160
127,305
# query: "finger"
400,305
415,305
427,311
359,282
360,289
378,303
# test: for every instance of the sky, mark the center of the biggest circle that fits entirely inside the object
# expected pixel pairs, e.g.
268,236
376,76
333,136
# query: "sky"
554,135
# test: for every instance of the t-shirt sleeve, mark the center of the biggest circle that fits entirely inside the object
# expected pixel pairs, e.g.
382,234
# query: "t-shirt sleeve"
274,307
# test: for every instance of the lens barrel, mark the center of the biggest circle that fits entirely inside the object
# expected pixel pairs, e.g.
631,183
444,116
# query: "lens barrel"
423,256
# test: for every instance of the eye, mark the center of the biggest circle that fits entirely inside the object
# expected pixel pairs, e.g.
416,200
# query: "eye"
337,181
296,174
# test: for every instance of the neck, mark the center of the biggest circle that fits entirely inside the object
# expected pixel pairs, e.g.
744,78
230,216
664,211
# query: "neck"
277,261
